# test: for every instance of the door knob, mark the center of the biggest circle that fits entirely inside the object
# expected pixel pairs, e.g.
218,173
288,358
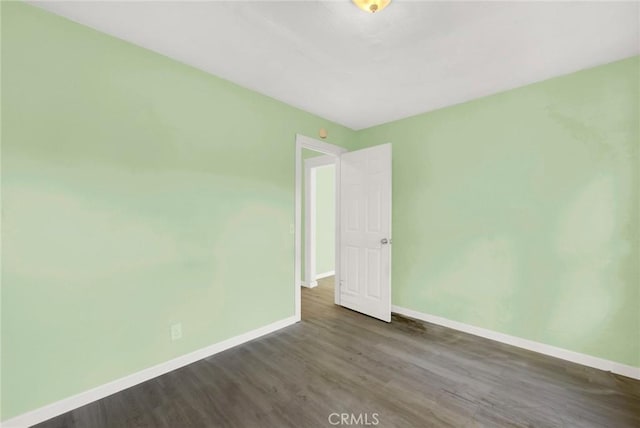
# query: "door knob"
384,241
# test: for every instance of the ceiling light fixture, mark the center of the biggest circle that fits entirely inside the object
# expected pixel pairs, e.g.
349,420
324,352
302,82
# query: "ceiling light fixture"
372,6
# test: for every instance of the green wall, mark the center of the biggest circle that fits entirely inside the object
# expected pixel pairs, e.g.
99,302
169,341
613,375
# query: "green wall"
136,192
325,219
519,212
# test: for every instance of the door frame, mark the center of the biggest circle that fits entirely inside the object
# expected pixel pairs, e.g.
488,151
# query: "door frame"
310,203
304,142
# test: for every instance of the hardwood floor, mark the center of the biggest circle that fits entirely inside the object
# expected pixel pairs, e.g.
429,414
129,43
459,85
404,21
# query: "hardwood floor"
409,373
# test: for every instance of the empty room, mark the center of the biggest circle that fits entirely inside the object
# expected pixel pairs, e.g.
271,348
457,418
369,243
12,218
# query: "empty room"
340,213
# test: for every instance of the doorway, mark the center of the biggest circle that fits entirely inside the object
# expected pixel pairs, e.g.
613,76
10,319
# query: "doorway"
318,217
330,154
362,219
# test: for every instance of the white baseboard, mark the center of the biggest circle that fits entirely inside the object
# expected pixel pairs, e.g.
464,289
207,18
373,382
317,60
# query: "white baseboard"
325,274
309,284
318,276
59,407
575,357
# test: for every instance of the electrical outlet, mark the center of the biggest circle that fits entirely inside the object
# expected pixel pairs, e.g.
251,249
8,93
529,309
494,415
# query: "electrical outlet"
176,331
292,229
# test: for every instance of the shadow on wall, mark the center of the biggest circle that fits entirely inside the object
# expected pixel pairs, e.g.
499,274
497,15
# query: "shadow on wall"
117,248
591,246
490,264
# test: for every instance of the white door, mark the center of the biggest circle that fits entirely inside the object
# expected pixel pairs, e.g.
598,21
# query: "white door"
365,231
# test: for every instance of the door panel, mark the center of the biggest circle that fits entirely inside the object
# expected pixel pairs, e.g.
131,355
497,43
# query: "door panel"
365,218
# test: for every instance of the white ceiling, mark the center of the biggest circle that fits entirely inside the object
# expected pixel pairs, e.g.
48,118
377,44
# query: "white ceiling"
360,70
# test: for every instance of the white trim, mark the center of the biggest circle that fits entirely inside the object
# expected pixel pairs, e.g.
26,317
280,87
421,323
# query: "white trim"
325,274
319,146
311,166
329,149
564,354
59,407
338,238
311,284
310,223
320,161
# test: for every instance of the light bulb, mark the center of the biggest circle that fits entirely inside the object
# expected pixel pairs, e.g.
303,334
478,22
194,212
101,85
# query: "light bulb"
372,6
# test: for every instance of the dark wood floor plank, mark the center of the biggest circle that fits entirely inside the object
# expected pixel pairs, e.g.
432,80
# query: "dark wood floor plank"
411,373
